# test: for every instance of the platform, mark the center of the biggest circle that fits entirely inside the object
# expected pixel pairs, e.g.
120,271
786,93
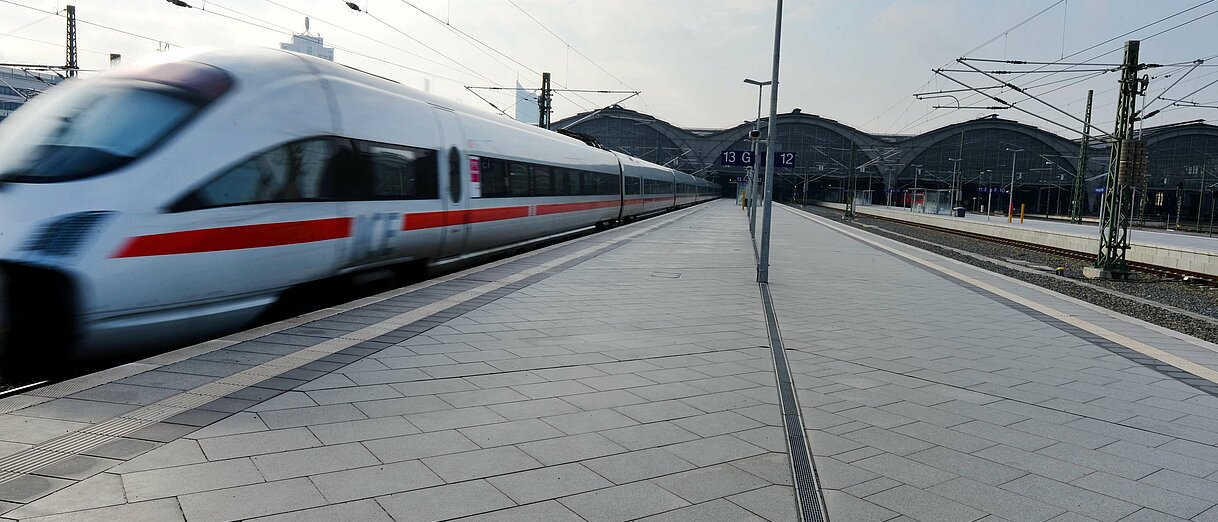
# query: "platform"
1179,251
629,375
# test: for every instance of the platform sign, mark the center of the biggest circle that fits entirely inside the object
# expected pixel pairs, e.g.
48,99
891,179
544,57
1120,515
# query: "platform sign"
736,158
1101,190
991,190
744,158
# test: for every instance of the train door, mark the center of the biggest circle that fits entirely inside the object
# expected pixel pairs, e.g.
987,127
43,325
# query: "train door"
454,185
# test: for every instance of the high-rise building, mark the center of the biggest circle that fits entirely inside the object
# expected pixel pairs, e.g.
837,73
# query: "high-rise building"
310,45
526,105
17,86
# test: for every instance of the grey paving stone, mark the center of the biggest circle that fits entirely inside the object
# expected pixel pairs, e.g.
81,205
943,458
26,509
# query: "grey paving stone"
1073,498
363,511
258,443
1004,435
548,483
27,488
418,446
770,502
312,461
638,465
311,415
543,390
990,499
616,382
921,505
549,511
887,440
719,510
463,399
905,470
704,484
512,432
480,463
77,410
588,421
164,510
1144,495
251,501
374,481
193,478
1150,515
982,470
362,430
720,423
871,487
458,418
771,467
101,490
1157,457
943,437
531,409
1181,483
353,394
843,506
1130,469
445,502
77,467
1034,462
571,448
240,422
659,411
177,453
835,474
714,450
624,502
606,399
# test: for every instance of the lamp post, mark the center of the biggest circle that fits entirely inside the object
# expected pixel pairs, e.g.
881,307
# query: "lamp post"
756,161
955,175
763,264
1011,192
913,192
989,195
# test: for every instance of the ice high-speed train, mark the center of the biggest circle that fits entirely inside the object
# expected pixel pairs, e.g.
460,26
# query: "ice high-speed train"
178,200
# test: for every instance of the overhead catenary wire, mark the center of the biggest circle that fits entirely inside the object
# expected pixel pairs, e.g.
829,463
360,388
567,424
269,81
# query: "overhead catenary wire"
926,120
366,37
471,38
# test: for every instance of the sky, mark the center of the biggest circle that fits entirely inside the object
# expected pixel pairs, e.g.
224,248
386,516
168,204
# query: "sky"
855,61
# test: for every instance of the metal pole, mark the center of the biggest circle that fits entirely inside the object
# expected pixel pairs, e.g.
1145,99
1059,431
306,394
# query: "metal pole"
989,197
756,162
1011,192
1200,199
763,267
1080,173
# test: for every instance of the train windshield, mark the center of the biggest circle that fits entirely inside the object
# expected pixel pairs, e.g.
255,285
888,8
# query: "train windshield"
89,131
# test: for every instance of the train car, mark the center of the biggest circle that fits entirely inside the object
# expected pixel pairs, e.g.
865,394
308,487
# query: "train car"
175,201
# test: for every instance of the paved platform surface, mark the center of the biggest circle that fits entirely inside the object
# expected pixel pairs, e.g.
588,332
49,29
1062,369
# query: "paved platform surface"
628,375
616,377
935,391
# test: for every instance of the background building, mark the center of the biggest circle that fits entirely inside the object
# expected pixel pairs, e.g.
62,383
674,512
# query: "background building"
18,85
1183,159
310,45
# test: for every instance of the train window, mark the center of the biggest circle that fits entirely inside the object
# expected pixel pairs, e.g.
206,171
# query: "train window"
454,175
400,172
542,181
294,172
81,132
574,182
518,179
632,185
494,178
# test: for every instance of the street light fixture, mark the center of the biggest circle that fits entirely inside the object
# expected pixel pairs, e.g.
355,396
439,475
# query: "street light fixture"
756,161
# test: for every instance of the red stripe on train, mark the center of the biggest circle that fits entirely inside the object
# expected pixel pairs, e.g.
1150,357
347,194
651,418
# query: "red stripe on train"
236,238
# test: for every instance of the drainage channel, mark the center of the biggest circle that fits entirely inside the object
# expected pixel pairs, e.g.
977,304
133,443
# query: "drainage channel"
808,496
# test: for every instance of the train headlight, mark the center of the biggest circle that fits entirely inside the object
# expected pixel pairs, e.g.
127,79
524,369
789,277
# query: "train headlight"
65,236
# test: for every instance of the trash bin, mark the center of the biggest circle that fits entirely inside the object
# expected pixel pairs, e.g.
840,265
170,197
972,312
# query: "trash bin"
959,211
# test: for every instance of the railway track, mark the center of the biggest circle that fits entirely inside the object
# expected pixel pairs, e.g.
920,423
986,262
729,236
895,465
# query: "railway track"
1160,271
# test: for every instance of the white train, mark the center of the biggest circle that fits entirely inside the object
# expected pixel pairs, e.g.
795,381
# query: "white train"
176,201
